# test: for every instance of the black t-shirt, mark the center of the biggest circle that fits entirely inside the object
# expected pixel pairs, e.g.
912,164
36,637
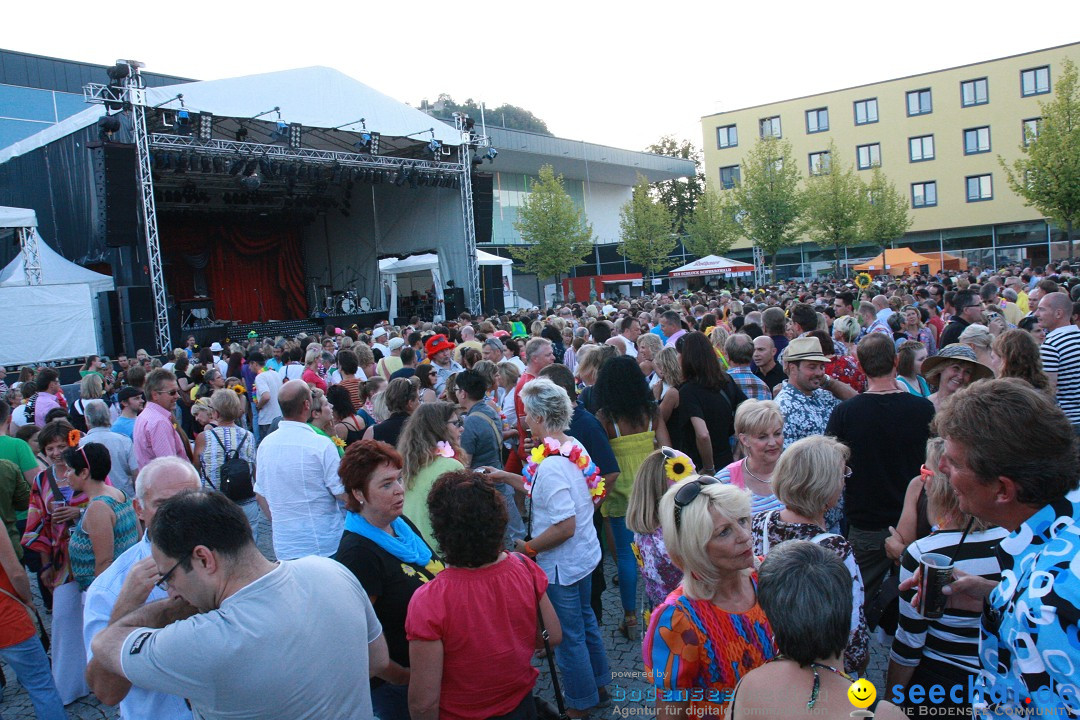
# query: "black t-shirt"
405,372
887,434
952,331
717,409
772,378
387,579
388,430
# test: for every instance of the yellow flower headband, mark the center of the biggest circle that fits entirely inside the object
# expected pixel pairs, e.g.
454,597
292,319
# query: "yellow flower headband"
677,466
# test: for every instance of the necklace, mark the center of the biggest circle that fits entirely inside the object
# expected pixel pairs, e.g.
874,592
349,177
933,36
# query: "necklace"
746,467
815,690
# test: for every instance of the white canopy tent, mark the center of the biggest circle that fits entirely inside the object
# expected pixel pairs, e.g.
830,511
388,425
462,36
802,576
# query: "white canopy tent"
712,265
55,319
418,267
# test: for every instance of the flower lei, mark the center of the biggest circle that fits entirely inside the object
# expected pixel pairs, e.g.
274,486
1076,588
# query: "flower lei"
575,454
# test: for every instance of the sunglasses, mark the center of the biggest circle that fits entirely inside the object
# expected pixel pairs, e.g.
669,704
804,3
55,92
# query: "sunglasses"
168,392
688,493
457,423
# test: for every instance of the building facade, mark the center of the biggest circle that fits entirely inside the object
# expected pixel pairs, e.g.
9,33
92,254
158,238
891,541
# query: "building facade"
937,136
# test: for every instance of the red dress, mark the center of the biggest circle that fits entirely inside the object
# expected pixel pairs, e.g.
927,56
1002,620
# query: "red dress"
846,369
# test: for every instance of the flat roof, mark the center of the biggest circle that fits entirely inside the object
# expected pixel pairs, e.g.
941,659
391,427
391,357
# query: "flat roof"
49,73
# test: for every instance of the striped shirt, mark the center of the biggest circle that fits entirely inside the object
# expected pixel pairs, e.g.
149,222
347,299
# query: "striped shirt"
953,638
1061,355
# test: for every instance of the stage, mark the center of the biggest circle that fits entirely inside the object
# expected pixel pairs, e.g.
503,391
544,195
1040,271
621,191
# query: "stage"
238,332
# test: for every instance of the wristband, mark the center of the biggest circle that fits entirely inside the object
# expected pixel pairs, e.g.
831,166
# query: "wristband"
529,551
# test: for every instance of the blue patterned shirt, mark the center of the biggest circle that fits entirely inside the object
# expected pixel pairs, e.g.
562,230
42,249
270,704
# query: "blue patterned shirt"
804,415
753,387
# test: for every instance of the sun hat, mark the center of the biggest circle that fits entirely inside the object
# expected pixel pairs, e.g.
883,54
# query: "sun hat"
957,352
804,348
379,332
395,343
216,347
436,344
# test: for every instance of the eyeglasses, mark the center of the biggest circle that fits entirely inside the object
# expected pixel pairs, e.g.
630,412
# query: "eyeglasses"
457,423
168,392
847,472
688,493
163,583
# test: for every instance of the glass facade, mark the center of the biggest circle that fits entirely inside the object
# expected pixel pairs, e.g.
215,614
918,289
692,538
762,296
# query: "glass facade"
26,111
508,192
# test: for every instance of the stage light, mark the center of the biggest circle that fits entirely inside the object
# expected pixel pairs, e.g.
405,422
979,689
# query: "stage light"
369,143
491,154
477,161
183,163
108,125
280,133
434,146
400,179
241,134
206,126
237,165
206,164
219,165
295,135
251,166
183,122
411,177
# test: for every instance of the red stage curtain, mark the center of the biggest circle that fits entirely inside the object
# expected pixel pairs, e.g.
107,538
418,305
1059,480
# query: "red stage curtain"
255,270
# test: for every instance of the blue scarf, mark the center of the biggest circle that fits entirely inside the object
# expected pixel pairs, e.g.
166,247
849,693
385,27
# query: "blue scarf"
407,546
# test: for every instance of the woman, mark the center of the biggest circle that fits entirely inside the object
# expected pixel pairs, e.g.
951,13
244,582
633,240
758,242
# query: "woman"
627,412
401,401
108,526
311,369
54,509
588,369
944,651
809,481
508,378
708,398
759,426
212,380
668,368
841,367
348,427
662,469
1031,326
450,626
845,330
348,365
955,367
429,446
91,387
917,329
385,552
219,443
711,630
978,338
910,357
202,417
1015,353
426,375
563,485
806,593
183,383
322,418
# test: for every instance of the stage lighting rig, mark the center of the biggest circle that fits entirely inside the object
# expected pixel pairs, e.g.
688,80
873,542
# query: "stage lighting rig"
434,147
108,125
491,154
251,182
295,135
368,143
206,126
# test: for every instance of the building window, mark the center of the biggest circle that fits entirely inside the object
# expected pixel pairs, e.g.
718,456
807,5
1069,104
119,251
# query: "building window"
866,111
726,136
869,156
924,194
729,176
977,140
921,148
1030,129
974,92
817,120
1035,81
919,103
979,187
770,126
819,163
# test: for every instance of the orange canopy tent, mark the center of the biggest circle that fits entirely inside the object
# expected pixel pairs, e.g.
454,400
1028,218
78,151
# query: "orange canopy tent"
899,261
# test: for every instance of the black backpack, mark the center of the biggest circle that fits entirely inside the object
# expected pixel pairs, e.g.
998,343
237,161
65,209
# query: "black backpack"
234,480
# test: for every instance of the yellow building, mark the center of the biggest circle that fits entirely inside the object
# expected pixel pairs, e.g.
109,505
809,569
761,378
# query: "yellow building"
937,136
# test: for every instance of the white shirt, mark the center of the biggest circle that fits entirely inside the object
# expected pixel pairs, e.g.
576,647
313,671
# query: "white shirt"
631,348
18,416
559,492
268,381
222,366
138,704
298,476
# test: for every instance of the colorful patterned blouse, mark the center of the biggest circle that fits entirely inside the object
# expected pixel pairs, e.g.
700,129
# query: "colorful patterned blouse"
661,575
42,534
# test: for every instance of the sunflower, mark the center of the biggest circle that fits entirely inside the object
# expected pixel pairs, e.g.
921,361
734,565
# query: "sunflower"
863,280
239,389
678,468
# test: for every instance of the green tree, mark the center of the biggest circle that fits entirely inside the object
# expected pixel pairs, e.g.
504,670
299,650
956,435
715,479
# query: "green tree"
833,205
555,229
714,226
680,195
885,216
1047,176
768,197
645,228
505,115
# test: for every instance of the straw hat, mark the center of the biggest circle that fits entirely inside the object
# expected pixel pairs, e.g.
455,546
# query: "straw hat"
957,353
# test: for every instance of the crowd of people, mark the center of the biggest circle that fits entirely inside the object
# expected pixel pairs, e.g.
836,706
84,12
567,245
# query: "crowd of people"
773,464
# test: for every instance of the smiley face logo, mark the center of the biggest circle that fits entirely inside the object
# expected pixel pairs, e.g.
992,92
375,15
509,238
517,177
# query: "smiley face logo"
862,693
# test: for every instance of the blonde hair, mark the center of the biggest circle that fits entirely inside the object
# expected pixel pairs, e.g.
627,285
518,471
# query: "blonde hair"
226,403
509,374
941,501
424,429
91,387
201,405
848,327
314,354
686,543
809,473
668,367
757,416
650,484
593,359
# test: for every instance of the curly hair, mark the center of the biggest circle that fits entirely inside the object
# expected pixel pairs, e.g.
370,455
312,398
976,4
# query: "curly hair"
468,518
423,430
360,461
622,392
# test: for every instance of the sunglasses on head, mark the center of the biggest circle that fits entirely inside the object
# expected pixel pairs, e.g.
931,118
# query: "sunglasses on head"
688,493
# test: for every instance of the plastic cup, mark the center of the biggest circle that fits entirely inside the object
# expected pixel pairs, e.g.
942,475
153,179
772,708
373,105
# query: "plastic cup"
937,572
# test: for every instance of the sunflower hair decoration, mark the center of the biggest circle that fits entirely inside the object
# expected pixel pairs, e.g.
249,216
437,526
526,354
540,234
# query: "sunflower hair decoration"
678,468
239,389
863,280
73,438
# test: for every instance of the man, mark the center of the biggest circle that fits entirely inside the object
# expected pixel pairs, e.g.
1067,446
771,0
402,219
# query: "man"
968,310
275,363
601,330
740,354
774,324
868,317
16,450
191,349
131,402
155,433
538,355
1060,352
229,610
671,327
267,387
1016,285
219,363
886,429
808,397
128,584
390,364
804,319
881,306
121,453
377,337
297,486
629,329
122,365
1025,481
468,340
438,350
765,365
47,381
844,304
493,351
408,363
617,342
992,300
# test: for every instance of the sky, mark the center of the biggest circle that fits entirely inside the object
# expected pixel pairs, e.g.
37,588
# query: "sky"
616,74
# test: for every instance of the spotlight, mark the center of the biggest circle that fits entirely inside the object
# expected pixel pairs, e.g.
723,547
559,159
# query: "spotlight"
251,166
183,122
184,163
251,182
206,164
491,154
411,177
400,179
116,74
206,126
219,165
119,71
295,131
434,146
280,133
369,143
108,125
237,165
241,134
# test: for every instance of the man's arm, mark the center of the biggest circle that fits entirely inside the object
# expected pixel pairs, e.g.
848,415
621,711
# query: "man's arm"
1052,377
840,390
14,569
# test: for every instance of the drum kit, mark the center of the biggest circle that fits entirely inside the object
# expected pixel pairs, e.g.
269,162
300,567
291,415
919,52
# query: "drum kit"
338,302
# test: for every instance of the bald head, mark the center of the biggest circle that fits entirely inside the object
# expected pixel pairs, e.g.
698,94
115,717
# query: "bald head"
880,302
158,481
294,399
617,342
1054,311
467,333
764,352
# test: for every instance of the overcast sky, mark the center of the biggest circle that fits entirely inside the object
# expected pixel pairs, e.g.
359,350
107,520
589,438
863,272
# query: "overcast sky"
617,74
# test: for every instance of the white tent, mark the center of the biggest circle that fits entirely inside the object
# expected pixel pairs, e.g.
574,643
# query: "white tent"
429,262
712,265
56,319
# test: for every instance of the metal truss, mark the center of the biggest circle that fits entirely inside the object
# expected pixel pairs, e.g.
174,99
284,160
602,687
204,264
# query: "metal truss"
28,244
130,94
759,267
471,263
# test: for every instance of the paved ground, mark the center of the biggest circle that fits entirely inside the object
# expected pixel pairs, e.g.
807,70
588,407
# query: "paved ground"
627,688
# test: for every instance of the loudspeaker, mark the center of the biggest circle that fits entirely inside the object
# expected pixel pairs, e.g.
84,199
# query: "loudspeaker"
109,315
454,302
136,313
121,196
493,289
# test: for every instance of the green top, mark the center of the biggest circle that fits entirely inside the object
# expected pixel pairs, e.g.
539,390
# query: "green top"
125,534
14,496
630,451
416,493
320,431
